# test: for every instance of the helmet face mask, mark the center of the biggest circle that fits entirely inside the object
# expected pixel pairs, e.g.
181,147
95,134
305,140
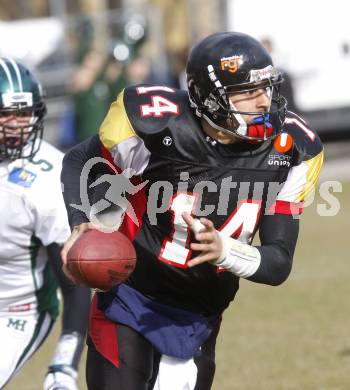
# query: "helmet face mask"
22,111
225,64
19,141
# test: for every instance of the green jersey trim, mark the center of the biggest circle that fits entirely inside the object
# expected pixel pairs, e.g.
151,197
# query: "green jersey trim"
46,295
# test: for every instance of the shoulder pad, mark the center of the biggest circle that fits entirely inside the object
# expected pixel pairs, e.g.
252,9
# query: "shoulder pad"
152,108
306,141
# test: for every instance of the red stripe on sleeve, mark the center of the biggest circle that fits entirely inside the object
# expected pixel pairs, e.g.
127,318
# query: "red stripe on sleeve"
107,155
138,201
284,207
102,331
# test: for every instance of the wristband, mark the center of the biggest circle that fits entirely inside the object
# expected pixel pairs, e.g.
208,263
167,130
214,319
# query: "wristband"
241,259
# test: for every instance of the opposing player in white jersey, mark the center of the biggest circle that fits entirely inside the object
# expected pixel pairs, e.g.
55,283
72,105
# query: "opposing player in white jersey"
33,225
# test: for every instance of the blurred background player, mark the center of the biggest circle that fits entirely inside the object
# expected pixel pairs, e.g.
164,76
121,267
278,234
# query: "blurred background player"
33,226
227,150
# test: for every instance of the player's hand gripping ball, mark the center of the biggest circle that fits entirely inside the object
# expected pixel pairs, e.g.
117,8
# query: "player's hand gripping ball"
101,260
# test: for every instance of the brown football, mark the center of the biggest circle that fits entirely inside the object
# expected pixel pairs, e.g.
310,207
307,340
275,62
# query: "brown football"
101,260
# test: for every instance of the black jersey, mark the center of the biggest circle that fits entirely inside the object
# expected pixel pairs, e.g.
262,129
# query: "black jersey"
154,131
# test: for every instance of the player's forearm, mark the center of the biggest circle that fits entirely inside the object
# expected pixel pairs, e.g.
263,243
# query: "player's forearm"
274,268
269,263
73,164
266,264
278,235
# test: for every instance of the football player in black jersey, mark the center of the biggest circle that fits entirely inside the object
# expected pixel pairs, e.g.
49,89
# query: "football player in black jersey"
219,163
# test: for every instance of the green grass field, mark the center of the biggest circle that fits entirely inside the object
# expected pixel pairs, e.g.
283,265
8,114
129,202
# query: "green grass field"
292,337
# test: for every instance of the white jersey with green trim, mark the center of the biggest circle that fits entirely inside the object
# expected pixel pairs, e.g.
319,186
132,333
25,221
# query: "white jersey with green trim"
33,216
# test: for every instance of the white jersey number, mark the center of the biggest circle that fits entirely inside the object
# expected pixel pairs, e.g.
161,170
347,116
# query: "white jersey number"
240,224
160,105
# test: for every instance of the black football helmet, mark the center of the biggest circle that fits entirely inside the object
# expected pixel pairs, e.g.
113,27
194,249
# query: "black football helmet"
20,97
229,62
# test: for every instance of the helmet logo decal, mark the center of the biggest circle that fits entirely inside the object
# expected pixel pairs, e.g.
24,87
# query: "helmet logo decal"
231,64
23,98
257,75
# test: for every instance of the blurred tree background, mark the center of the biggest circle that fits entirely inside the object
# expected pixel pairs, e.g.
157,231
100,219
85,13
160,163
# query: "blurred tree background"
86,51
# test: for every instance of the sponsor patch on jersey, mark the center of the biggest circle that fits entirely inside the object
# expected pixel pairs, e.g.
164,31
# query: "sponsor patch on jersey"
23,307
22,177
279,159
283,142
167,141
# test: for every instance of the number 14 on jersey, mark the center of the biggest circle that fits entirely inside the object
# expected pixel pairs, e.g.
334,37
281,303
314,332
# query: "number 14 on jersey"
241,224
159,104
